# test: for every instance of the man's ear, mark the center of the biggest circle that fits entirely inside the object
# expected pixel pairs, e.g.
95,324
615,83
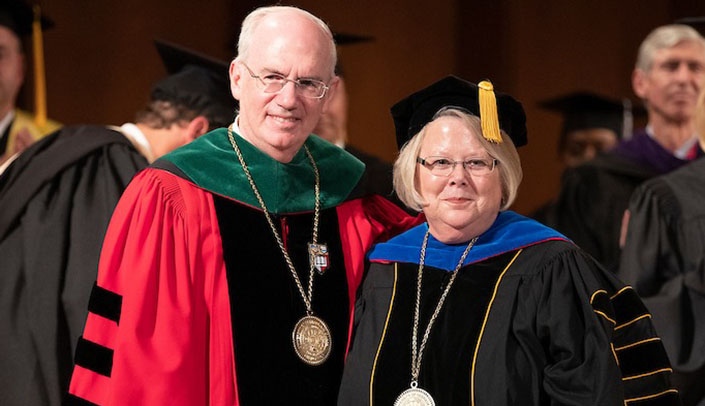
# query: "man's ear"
332,88
639,84
197,127
235,79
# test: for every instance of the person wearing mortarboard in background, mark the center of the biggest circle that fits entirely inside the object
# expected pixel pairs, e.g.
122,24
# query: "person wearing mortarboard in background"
480,305
55,203
18,128
668,75
663,258
592,124
333,127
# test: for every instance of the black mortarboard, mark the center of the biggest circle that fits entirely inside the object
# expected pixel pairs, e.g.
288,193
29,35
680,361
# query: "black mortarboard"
586,110
696,22
342,39
196,81
414,112
17,15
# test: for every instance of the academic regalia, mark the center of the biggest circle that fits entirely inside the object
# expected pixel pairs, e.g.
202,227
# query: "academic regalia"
530,320
594,196
664,259
22,121
194,303
53,216
21,18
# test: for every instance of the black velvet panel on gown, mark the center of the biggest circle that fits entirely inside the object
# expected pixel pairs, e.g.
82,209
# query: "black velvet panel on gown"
266,304
445,371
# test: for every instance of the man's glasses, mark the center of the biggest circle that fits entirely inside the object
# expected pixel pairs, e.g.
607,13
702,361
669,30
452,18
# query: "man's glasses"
441,166
274,83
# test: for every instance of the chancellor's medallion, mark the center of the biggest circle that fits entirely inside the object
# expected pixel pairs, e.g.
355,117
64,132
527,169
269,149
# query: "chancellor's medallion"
312,340
414,396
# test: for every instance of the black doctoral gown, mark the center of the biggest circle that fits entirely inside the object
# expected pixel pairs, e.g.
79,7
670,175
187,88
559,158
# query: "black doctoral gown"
664,259
55,203
530,320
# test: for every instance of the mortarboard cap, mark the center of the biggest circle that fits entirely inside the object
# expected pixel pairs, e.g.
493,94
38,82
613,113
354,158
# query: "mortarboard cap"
342,39
196,81
696,22
414,112
586,110
18,15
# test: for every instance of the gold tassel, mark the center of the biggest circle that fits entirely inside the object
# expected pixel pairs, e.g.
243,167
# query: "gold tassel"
488,112
40,102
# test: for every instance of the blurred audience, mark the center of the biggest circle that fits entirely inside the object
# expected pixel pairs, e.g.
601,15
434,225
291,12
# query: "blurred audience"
18,128
669,74
663,258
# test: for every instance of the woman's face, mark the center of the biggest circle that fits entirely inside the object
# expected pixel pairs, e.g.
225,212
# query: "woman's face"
461,205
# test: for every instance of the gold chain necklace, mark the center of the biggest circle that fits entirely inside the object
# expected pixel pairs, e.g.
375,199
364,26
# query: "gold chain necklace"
415,395
311,336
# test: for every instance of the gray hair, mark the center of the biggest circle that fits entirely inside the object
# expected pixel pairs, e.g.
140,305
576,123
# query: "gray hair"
666,36
509,166
251,22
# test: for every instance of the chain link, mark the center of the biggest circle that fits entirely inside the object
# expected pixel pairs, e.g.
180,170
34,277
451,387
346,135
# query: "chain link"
306,296
417,354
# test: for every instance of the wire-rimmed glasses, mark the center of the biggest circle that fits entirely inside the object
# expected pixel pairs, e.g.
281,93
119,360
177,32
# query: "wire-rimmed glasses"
274,83
442,166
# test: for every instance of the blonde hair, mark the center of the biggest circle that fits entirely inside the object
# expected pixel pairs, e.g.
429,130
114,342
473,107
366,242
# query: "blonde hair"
505,153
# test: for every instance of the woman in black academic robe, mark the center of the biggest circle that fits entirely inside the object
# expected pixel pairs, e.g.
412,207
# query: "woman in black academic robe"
482,306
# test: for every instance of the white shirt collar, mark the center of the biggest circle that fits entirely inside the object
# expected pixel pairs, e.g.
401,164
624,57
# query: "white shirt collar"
6,121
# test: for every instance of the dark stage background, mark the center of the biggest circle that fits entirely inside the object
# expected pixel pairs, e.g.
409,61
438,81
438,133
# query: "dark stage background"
100,57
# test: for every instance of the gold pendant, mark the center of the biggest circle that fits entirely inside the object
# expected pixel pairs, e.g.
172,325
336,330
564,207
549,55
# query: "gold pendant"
318,256
312,340
414,397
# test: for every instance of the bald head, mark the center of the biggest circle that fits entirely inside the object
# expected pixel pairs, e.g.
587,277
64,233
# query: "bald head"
284,18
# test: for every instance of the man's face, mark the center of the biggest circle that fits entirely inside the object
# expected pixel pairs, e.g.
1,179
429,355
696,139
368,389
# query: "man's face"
295,48
671,87
585,144
11,68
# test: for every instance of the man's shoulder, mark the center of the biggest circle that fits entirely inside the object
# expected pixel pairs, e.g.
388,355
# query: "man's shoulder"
611,166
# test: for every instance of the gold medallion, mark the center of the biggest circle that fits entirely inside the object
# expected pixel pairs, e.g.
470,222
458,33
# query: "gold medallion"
414,397
312,340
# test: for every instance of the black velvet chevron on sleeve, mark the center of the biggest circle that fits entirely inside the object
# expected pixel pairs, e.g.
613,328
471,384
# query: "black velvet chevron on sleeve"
94,357
105,303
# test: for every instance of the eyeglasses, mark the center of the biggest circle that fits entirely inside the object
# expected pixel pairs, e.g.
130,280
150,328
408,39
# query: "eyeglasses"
441,166
274,83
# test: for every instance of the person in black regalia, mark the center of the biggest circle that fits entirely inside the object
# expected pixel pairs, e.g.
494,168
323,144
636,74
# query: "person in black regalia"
668,76
664,259
333,127
20,128
592,125
55,203
482,306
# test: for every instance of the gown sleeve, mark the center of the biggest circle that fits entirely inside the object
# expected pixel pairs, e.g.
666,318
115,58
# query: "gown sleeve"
596,335
651,254
663,259
158,313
